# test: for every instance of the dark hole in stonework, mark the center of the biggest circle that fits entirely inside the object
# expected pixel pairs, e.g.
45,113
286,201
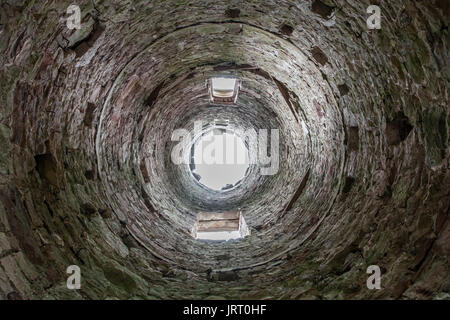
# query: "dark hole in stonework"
348,183
14,296
89,114
398,129
353,138
46,167
82,47
87,209
153,95
90,174
233,13
319,56
220,226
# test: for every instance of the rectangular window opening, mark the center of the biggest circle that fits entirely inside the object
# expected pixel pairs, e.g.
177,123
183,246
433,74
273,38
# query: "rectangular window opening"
220,226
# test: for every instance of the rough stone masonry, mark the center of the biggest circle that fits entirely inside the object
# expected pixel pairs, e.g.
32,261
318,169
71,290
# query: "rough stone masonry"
86,117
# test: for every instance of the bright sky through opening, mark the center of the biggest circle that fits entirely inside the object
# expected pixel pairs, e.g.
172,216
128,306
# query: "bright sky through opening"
221,160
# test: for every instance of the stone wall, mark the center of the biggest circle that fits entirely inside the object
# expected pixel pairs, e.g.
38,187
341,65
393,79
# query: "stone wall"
85,173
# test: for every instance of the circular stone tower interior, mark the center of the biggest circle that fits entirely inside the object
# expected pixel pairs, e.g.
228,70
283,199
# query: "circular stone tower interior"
87,177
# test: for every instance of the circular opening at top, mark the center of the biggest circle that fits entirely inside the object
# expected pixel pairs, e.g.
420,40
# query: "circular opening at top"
219,159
